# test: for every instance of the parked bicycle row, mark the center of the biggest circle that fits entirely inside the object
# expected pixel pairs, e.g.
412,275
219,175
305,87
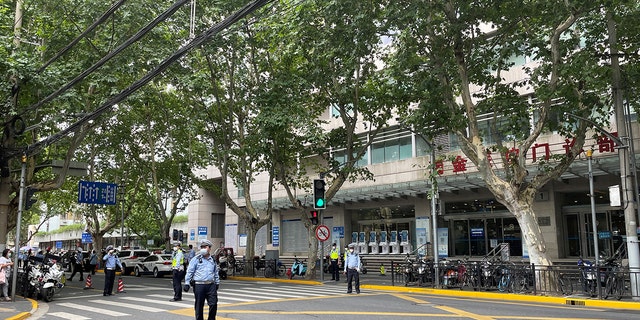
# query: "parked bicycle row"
507,276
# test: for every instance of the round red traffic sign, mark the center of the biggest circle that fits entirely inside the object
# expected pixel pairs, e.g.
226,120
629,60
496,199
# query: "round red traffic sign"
322,233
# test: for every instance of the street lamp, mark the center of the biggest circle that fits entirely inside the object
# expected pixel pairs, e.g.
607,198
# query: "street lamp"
629,187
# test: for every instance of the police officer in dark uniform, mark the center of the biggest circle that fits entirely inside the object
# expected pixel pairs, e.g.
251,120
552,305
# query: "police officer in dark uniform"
202,274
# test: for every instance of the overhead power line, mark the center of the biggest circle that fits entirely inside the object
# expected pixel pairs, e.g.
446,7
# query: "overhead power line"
100,20
199,40
168,13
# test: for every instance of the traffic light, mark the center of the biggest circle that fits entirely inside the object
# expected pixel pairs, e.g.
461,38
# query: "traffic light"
181,236
313,215
319,201
29,200
175,235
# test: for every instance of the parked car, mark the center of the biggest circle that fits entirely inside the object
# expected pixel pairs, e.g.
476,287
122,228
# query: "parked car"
65,260
131,258
156,264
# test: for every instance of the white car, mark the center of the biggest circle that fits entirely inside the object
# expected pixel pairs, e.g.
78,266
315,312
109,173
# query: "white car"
130,259
156,264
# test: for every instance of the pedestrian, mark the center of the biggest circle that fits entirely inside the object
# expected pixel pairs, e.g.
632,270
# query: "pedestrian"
202,274
177,268
93,261
111,261
352,269
334,255
5,272
78,264
191,254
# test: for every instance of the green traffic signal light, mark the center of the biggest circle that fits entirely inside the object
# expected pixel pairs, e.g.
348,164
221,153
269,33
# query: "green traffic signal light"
318,194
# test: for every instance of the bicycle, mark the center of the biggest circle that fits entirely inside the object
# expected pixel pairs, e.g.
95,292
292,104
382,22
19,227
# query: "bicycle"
273,269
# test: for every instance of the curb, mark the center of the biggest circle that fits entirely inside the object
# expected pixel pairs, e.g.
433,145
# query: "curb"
25,315
572,301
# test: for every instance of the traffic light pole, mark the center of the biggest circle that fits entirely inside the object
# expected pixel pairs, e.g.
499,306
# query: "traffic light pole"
321,214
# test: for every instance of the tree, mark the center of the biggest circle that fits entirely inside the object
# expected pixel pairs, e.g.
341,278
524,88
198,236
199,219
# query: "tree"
450,62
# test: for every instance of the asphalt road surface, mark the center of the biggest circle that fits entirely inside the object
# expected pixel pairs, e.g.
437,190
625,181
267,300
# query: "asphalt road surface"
148,298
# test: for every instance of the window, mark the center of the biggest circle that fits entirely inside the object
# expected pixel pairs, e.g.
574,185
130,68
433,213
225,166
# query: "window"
217,225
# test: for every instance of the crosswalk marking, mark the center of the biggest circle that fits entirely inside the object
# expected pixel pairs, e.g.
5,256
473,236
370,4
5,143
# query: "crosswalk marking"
165,301
158,301
295,293
102,311
68,316
129,305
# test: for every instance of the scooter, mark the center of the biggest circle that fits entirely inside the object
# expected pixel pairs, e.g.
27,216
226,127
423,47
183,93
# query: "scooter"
44,281
297,269
224,267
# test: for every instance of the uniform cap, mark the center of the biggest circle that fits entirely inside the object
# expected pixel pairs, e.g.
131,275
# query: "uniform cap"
206,242
351,246
109,247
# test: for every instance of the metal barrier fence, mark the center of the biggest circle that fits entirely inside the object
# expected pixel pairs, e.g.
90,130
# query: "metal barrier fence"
558,280
259,268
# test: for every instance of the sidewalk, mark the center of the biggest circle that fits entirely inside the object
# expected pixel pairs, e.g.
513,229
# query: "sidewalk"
21,309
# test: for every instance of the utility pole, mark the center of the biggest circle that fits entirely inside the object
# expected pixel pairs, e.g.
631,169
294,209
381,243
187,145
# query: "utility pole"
627,179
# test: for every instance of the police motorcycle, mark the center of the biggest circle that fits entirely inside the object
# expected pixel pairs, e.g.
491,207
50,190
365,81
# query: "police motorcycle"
44,280
298,268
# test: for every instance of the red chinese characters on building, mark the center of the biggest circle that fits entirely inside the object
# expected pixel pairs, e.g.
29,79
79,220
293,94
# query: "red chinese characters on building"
606,144
568,144
459,164
545,149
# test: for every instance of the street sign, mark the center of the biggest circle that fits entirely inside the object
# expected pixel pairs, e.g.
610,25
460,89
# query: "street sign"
97,192
86,237
323,233
275,236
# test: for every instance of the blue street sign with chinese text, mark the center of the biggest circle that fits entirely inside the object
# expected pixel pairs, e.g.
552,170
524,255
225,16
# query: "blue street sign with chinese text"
97,192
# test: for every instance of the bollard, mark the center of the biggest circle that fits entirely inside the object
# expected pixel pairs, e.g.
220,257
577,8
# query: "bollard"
87,283
120,286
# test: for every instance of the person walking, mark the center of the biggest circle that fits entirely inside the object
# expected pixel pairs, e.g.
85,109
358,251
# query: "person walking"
191,253
93,261
78,264
334,255
202,274
352,269
111,261
177,269
5,272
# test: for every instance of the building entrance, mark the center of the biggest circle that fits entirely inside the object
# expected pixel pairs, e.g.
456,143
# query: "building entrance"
579,232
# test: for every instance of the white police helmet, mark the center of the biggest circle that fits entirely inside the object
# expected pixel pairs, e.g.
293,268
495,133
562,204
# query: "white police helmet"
206,242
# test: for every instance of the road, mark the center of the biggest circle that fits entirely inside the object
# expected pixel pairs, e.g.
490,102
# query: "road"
147,297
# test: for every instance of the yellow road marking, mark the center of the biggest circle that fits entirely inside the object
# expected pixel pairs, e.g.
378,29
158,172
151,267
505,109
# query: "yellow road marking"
341,312
464,313
408,298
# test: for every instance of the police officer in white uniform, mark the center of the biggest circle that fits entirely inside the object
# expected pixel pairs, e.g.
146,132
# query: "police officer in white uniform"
202,274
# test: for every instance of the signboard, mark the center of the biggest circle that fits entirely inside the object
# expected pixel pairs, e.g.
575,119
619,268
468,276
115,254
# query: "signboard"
86,237
339,231
604,234
477,232
97,192
202,233
58,245
322,233
275,236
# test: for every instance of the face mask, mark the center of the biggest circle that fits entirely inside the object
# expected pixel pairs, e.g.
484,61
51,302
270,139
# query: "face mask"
351,250
175,248
203,251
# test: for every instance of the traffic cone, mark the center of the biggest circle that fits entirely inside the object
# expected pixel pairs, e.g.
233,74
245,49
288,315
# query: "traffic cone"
382,272
87,284
120,286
